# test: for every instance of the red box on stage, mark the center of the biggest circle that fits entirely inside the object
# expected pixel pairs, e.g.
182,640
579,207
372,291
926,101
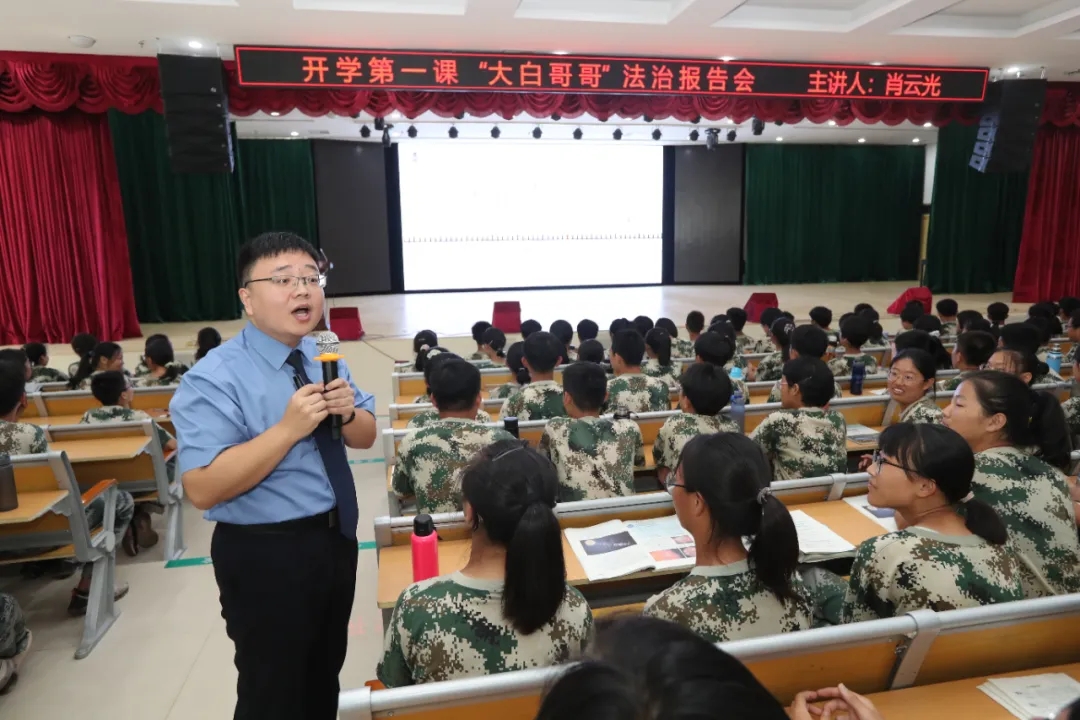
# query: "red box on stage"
921,294
507,316
757,304
345,323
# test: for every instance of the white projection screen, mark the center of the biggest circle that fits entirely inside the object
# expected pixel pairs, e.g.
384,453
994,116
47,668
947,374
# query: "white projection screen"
495,214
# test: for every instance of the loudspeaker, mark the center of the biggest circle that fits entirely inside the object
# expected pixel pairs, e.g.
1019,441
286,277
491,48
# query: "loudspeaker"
196,113
1010,119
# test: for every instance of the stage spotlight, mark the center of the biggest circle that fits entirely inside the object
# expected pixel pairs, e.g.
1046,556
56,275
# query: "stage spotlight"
578,134
712,138
694,136
452,132
556,117
412,131
380,124
696,119
656,134
731,136
386,141
646,118
460,115
495,132
365,132
537,132
617,134
757,126
779,123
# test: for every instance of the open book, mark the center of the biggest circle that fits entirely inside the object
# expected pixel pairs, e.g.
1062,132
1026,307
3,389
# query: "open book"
1032,696
617,548
862,434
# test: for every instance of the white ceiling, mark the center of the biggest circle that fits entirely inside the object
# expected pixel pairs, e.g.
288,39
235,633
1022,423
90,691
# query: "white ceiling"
995,33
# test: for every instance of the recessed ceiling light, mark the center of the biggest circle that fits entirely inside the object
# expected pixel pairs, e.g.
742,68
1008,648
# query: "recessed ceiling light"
1013,69
862,140
726,58
82,41
730,121
779,139
832,123
914,140
560,52
275,113
295,134
877,62
194,45
396,115
928,125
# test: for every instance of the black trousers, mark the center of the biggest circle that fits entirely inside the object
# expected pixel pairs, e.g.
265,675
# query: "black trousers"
286,596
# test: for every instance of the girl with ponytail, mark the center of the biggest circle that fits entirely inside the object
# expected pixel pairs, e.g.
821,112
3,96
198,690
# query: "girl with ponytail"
509,608
104,356
721,495
658,365
950,550
161,365
493,346
771,366
1021,446
519,374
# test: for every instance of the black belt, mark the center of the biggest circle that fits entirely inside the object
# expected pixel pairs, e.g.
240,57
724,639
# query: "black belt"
323,521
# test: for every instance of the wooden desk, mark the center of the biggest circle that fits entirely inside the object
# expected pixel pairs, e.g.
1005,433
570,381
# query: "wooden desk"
45,420
959,700
102,449
868,447
32,505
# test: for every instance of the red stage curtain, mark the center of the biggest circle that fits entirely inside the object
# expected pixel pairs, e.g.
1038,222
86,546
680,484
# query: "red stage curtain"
1049,264
63,246
91,83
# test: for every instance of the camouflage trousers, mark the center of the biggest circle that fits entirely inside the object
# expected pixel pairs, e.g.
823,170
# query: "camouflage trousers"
13,633
125,510
827,590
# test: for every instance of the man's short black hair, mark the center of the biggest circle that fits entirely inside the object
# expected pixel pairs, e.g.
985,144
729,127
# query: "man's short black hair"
268,245
12,385
108,386
1069,305
586,384
643,324
591,351
738,317
1074,319
822,316
1043,309
529,327
862,307
1020,336
770,315
668,325
630,346
912,311
929,323
707,387
478,330
814,379
947,307
587,330
695,321
977,324
618,325
15,356
976,347
964,318
455,385
809,340
563,331
998,312
714,349
717,319
856,330
543,351
36,352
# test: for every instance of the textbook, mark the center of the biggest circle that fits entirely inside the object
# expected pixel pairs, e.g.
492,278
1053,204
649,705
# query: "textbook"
617,548
1033,696
862,434
885,517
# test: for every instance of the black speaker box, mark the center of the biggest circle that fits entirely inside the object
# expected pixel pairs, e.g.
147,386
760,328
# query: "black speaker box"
1010,119
196,100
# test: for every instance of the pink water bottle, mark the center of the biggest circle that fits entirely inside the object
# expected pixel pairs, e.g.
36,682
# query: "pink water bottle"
425,549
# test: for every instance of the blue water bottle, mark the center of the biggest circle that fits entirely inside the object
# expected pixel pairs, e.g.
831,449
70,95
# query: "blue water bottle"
1053,359
858,374
738,402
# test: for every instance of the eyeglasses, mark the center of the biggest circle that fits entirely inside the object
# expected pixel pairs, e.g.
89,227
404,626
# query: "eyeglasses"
671,481
907,379
289,282
879,459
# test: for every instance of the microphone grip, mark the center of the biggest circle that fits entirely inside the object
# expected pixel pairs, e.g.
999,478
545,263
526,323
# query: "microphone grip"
329,374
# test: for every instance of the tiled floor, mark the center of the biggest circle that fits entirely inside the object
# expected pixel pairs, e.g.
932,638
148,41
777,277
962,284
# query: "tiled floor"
167,657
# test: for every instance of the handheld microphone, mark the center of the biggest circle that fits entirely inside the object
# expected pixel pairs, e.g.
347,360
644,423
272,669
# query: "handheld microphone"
327,344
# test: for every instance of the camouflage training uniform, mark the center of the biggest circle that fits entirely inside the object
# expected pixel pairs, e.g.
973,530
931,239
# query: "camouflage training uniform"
841,366
502,392
916,569
26,439
774,394
1033,501
1071,408
949,385
922,411
429,461
669,374
679,430
771,367
47,375
141,370
453,627
1050,378
803,443
638,394
72,369
14,637
426,417
422,400
682,348
536,401
749,346
950,328
595,457
149,380
728,602
571,355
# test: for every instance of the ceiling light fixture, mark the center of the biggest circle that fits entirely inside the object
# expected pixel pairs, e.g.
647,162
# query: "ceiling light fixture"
275,113
617,134
560,52
656,134
412,131
877,63
862,140
914,140
294,134
1013,69
495,132
731,136
726,58
694,135
452,132
832,123
578,134
928,125
537,132
81,41
779,139
757,126
194,45
365,131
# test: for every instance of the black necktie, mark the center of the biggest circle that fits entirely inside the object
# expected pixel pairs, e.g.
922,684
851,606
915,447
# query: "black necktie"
335,461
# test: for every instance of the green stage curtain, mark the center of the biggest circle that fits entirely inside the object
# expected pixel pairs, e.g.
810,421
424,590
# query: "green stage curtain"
277,187
832,213
976,220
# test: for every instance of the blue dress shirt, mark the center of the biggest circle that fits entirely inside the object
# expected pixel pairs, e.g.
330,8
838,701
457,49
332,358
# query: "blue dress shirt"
237,392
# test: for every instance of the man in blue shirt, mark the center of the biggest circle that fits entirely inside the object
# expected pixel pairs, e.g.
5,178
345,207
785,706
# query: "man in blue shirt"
258,453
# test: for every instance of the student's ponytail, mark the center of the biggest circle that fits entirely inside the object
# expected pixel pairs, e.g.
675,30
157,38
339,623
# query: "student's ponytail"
1032,417
495,339
942,357
515,357
89,362
422,338
1051,430
774,550
659,342
982,520
511,490
781,331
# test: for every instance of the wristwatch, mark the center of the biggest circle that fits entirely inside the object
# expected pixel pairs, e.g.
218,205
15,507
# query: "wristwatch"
351,418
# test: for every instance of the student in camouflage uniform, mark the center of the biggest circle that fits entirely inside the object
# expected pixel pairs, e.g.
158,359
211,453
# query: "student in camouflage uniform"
659,365
1072,330
1024,338
822,317
681,348
912,376
744,344
563,331
804,439
429,460
718,349
854,333
807,341
594,456
428,361
428,417
14,640
105,356
706,391
82,345
630,390
38,355
695,325
1000,417
493,348
765,344
478,330
113,390
422,342
587,330
142,369
973,350
162,369
515,363
771,366
509,608
950,552
946,310
18,438
721,495
541,399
